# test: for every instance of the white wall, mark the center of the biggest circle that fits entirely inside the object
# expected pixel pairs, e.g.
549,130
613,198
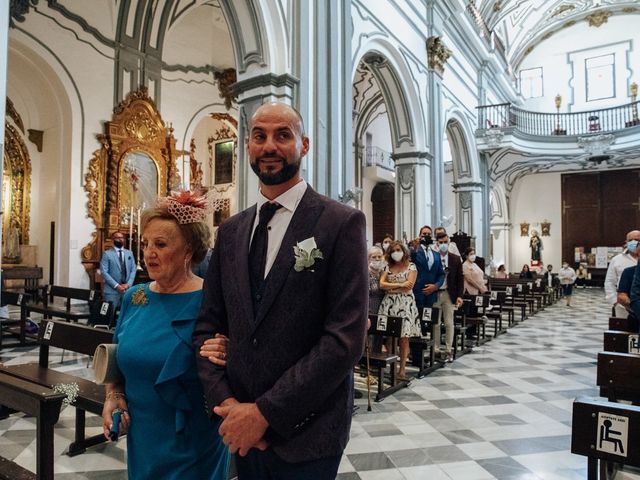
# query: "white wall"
534,199
580,40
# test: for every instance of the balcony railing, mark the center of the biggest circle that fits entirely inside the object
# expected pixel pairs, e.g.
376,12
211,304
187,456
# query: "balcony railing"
377,157
604,120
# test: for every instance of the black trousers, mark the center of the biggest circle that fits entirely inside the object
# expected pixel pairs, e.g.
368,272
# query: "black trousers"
258,465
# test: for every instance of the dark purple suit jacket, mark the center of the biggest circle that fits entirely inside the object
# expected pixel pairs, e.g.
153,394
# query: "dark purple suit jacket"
455,277
294,357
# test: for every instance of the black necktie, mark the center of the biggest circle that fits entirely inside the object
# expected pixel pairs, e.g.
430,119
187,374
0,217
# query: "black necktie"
258,249
123,268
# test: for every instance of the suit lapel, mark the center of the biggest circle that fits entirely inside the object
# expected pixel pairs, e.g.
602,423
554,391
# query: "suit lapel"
241,246
301,227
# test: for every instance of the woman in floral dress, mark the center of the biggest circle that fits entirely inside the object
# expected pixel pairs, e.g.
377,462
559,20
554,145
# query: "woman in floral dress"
397,281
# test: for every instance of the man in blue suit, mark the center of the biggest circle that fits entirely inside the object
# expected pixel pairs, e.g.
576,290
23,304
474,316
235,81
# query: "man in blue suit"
430,272
118,270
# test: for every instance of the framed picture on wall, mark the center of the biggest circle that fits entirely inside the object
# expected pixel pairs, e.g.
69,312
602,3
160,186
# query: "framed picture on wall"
223,160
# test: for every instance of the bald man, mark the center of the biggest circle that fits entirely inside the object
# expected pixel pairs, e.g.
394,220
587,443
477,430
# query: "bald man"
628,258
288,284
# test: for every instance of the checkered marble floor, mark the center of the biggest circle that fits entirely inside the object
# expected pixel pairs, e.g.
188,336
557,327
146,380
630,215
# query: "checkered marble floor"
501,412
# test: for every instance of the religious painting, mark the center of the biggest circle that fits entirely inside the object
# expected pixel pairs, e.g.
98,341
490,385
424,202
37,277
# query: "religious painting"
546,228
140,181
524,229
223,162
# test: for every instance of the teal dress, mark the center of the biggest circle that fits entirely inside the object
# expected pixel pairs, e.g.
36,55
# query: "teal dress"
170,435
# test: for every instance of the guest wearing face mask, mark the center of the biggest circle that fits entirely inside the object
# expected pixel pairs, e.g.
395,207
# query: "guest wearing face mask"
397,280
628,258
118,269
376,294
474,282
386,241
567,276
449,294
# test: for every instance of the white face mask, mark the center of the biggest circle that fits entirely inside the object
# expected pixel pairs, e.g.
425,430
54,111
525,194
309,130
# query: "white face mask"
376,264
472,258
565,265
397,256
385,246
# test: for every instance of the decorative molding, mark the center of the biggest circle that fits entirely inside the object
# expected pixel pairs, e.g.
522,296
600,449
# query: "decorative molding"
266,80
596,145
493,137
18,10
406,176
36,137
226,80
11,112
437,54
599,18
465,199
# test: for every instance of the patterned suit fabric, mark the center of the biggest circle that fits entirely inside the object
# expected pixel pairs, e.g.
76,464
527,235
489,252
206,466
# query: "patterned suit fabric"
294,355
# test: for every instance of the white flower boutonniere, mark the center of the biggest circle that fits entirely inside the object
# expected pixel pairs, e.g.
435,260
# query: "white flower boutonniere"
306,253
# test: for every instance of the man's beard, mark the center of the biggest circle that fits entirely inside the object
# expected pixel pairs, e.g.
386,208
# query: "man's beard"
267,177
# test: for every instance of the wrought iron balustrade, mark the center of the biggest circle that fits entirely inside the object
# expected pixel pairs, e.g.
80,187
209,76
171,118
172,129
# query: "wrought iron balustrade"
604,120
375,156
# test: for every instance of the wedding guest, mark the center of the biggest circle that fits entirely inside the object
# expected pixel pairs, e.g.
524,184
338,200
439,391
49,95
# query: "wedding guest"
397,280
526,272
169,434
567,276
502,272
474,282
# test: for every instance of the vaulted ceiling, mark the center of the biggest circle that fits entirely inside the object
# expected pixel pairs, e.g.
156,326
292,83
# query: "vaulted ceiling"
521,24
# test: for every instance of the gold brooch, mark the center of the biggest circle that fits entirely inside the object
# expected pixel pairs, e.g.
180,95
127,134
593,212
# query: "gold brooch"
139,297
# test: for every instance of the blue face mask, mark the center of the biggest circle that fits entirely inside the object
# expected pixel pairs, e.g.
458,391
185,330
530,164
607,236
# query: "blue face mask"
632,245
444,247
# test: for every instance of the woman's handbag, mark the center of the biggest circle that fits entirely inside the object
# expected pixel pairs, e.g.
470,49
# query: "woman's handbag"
106,365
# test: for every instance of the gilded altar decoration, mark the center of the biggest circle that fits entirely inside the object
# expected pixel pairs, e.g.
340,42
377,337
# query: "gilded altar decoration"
195,168
139,297
16,185
599,18
437,53
135,163
545,228
226,78
524,229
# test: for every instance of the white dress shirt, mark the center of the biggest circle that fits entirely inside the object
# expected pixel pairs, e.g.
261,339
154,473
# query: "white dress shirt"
616,266
278,225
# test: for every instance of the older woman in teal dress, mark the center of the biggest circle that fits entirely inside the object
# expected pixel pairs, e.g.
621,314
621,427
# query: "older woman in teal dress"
169,433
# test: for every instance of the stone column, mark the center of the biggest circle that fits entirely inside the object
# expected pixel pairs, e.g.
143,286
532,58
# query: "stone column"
414,198
470,212
251,93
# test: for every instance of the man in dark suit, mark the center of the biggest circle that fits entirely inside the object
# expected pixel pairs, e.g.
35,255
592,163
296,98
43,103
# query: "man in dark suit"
449,294
288,284
430,272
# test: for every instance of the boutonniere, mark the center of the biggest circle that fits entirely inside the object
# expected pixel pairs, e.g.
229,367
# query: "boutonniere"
139,297
306,253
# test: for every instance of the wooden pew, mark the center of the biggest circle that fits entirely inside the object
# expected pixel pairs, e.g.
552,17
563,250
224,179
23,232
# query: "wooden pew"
71,304
29,276
42,403
480,302
629,324
621,342
385,326
499,302
605,432
16,327
77,338
617,376
421,345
